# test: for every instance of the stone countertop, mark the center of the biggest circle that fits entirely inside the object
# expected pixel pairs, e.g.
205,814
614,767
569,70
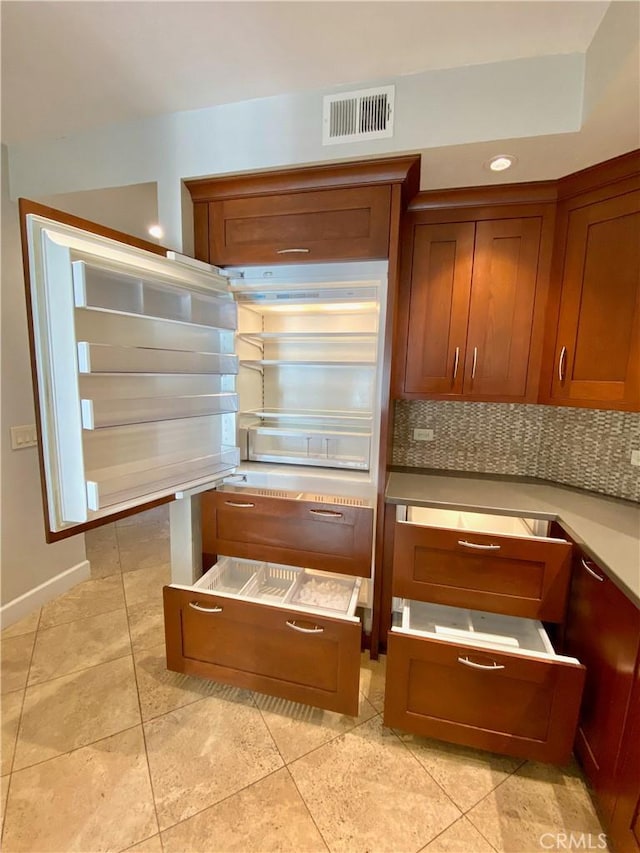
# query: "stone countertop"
608,530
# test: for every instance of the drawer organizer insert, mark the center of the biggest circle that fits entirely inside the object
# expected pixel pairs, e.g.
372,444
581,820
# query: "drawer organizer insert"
476,628
479,522
288,586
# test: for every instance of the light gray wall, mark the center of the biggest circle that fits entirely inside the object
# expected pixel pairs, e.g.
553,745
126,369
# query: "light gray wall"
26,560
130,209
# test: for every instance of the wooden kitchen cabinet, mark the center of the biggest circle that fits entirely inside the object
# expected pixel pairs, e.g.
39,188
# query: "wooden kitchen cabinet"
603,632
296,655
502,701
468,660
592,352
503,574
334,537
323,213
624,830
472,296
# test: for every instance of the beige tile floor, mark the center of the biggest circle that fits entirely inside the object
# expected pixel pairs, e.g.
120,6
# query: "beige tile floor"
103,749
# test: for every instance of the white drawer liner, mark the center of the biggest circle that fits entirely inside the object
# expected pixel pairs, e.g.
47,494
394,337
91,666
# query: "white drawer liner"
284,586
475,522
483,630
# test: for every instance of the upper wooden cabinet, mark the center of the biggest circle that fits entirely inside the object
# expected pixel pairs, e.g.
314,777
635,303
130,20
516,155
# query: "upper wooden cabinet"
472,298
592,354
325,213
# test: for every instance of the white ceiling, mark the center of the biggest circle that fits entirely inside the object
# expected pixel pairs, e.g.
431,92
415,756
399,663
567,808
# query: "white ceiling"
72,66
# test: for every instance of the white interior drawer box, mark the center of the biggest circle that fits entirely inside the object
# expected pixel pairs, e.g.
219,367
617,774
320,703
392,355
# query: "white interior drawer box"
483,680
286,631
502,564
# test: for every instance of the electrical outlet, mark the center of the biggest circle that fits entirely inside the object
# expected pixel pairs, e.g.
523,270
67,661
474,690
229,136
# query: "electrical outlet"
23,436
635,457
423,435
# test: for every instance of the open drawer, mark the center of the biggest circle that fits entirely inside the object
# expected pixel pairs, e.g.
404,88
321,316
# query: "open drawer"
281,630
483,680
498,563
297,529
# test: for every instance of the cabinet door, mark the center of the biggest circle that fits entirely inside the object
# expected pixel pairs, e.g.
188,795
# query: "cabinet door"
438,307
327,225
503,291
597,353
625,826
603,632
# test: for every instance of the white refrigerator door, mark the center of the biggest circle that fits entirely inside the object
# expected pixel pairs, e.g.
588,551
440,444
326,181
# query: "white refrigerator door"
135,372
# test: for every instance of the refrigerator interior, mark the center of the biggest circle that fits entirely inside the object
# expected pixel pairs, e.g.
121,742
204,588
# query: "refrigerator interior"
309,349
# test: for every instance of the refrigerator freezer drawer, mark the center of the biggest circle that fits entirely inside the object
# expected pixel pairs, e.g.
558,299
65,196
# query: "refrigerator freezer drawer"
236,626
330,537
511,695
522,575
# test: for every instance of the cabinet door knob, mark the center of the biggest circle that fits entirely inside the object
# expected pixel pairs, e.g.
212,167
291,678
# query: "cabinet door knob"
317,629
561,360
478,545
327,513
590,570
293,251
240,505
488,667
196,606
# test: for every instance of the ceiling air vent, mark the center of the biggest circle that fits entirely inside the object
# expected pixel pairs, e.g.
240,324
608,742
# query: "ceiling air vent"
358,116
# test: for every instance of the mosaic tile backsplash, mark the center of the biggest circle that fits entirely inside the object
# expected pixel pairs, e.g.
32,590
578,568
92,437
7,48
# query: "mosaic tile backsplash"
587,448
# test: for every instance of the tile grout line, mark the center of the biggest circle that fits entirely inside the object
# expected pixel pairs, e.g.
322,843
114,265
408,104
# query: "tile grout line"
79,618
285,766
306,805
333,737
24,696
223,800
425,848
135,678
421,765
76,671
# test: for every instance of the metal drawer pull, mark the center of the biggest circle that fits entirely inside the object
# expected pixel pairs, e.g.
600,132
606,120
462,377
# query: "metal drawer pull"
293,251
563,353
471,663
475,362
327,513
456,361
478,545
240,505
316,630
202,609
590,570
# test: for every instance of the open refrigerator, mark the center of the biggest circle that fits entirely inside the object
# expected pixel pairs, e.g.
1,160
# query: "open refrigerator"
163,376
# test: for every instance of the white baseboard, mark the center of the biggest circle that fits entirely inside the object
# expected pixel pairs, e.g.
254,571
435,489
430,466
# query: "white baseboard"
25,604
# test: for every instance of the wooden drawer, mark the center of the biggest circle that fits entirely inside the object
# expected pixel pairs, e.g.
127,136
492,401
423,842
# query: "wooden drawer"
481,693
295,653
327,536
321,225
522,575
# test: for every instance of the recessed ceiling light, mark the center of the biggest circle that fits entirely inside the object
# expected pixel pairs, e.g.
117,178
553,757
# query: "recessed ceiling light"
501,162
156,231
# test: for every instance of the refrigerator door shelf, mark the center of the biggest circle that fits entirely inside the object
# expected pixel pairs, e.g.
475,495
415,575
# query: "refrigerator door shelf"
123,342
